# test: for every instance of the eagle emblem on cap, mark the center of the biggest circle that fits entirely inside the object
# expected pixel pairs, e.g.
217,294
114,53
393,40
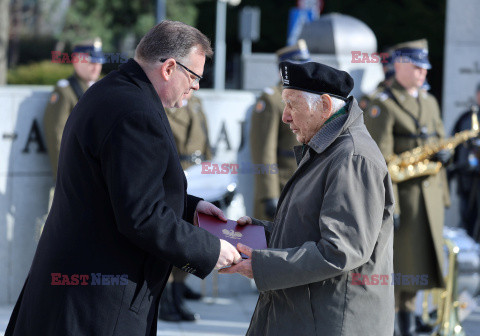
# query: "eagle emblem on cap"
232,234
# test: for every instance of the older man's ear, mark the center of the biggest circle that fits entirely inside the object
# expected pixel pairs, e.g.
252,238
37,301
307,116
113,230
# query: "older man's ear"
327,105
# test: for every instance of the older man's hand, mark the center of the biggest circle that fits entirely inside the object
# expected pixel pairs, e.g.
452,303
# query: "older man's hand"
228,255
208,209
245,267
245,220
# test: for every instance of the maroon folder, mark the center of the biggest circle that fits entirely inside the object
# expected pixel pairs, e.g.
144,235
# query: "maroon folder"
250,235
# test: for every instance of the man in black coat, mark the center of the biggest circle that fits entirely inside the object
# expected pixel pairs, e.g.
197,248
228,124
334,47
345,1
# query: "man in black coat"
121,216
466,169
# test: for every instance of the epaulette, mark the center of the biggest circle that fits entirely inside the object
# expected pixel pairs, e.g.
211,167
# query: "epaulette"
63,83
382,96
269,91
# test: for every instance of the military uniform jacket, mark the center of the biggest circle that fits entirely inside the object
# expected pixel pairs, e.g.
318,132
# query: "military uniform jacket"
62,101
190,131
271,143
420,201
333,221
120,209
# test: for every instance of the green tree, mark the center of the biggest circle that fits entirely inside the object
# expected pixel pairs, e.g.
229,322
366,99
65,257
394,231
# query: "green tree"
4,27
112,20
115,20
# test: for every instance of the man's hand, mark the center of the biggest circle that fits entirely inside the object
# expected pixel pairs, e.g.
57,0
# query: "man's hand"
208,209
228,255
245,267
443,157
245,220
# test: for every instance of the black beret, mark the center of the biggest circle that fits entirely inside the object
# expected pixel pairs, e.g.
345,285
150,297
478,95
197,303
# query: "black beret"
316,78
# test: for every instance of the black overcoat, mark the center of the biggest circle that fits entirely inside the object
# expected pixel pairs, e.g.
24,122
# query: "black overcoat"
120,219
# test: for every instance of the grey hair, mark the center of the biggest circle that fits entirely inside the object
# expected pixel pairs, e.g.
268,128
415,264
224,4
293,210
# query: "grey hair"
171,39
313,100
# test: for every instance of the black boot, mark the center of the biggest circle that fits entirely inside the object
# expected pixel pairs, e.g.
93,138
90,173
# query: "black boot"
168,310
189,293
178,294
422,327
396,327
406,323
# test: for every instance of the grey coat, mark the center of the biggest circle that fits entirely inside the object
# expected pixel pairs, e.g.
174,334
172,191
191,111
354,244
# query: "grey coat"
334,220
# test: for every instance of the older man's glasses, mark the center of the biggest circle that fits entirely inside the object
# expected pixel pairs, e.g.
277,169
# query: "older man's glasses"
197,77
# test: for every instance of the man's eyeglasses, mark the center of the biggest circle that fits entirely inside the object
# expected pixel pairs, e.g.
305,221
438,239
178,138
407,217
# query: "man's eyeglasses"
196,80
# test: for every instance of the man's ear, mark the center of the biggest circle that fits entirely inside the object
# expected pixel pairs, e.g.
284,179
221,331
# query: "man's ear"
167,68
327,104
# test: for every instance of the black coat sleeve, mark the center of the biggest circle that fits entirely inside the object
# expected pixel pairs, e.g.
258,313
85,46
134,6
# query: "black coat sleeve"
192,202
144,188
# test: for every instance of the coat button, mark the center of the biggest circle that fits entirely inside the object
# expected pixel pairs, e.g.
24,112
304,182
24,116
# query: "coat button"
426,184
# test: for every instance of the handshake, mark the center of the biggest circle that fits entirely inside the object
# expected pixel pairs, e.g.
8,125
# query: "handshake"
230,260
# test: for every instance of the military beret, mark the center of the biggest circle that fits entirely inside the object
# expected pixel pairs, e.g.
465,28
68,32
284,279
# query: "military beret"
316,78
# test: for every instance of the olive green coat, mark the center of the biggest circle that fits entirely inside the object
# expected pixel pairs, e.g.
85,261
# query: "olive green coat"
190,131
420,202
271,143
62,101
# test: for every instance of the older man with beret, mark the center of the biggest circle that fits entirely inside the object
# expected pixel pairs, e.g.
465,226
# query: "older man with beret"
329,258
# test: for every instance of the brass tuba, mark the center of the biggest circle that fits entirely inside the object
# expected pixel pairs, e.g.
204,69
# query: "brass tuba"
416,162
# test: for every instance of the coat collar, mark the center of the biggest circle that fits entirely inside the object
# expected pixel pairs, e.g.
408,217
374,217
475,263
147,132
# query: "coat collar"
135,72
327,134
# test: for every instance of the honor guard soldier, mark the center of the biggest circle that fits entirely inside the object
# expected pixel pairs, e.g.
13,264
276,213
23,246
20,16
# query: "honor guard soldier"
271,140
400,118
389,72
87,67
190,131
189,128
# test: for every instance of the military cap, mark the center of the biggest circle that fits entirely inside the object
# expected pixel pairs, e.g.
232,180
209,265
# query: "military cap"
93,48
415,52
297,52
316,78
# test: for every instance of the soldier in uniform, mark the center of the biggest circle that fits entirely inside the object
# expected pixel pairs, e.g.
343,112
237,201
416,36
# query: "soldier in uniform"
400,118
189,128
271,140
68,91
466,170
389,72
190,131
